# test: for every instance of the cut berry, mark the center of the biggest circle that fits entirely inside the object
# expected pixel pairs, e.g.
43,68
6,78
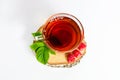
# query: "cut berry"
76,53
82,46
70,58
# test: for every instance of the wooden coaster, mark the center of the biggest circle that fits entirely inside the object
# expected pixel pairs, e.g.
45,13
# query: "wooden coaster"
60,59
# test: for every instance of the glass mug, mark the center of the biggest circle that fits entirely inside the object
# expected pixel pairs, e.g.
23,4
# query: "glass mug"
62,32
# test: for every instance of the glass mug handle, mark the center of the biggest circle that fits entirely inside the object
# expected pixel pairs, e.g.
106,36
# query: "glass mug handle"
40,37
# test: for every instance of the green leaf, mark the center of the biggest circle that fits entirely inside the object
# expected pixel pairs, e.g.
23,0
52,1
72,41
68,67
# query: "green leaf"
42,55
39,54
41,49
46,55
36,34
51,51
36,45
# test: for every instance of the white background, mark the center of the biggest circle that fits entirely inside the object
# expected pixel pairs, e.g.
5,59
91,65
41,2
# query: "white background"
101,21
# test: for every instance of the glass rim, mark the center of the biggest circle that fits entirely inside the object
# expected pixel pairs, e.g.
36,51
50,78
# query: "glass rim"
54,16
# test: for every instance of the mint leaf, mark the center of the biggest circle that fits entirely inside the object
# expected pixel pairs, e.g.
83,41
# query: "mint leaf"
41,49
36,34
51,51
42,55
39,54
36,45
46,55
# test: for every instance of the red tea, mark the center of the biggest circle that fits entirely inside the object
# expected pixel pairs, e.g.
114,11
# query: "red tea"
62,33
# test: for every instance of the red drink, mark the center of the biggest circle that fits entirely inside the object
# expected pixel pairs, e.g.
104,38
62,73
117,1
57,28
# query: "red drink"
62,32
